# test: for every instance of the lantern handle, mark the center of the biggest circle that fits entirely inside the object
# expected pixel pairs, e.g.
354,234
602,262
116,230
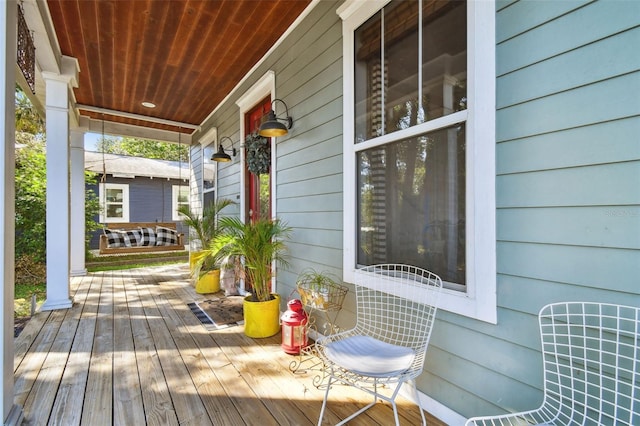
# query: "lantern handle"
291,294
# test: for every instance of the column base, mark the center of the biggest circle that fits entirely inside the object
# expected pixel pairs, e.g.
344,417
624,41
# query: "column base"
52,305
78,272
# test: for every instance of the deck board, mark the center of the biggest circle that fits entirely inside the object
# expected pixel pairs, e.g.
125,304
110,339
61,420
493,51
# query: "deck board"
67,407
158,409
184,396
130,352
128,408
98,399
205,356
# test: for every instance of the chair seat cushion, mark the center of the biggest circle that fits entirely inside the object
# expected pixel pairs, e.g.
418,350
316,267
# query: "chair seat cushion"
370,357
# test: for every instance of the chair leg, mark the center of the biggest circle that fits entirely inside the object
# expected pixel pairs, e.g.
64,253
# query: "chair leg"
395,411
357,413
324,402
365,408
415,393
392,401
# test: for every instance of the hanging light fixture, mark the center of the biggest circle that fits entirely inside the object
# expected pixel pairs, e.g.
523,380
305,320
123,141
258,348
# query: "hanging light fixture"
221,156
273,126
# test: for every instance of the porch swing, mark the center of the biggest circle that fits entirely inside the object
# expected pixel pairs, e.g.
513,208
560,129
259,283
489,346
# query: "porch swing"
138,237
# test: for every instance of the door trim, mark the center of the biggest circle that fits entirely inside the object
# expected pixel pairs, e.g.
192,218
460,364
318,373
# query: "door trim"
265,86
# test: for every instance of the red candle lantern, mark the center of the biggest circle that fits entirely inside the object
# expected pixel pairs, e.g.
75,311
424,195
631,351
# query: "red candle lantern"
294,327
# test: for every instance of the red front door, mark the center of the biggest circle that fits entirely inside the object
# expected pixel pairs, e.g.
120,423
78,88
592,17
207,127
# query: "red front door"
258,187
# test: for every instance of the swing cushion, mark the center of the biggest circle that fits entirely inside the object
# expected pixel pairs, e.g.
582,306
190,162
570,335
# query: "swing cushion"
148,236
141,237
166,236
135,237
116,239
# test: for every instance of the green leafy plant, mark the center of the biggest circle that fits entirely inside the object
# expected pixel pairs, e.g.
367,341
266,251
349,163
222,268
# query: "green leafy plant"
147,148
258,154
316,288
205,226
258,244
206,229
91,210
30,204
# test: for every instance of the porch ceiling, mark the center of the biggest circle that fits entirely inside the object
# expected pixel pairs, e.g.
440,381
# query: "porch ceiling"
183,56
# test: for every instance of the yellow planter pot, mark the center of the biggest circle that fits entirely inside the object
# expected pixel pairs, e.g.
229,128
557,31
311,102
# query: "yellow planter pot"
194,256
209,282
261,319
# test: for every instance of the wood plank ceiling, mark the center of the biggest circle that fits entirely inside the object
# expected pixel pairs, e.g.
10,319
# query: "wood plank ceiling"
184,56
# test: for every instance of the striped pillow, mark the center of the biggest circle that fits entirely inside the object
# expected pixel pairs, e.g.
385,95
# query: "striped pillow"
166,236
148,236
135,237
117,238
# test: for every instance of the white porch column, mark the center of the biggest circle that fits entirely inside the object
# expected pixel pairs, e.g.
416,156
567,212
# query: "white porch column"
58,187
77,203
11,414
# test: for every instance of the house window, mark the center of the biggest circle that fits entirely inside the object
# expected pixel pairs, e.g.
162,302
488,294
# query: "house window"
419,143
114,200
179,197
208,175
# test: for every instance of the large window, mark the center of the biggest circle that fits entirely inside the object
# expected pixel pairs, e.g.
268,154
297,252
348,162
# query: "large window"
114,202
420,143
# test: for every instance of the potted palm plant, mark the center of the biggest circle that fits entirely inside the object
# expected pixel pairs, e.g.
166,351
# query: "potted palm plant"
260,244
206,229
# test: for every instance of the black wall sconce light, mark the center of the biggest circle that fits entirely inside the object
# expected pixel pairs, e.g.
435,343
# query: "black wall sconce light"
273,126
221,155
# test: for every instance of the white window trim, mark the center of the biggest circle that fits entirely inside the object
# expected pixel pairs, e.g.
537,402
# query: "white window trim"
479,301
175,192
125,202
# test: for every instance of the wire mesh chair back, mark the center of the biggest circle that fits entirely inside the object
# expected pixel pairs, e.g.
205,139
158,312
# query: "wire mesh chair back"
591,360
397,304
396,308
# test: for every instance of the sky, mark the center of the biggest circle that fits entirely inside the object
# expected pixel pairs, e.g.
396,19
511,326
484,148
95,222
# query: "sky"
90,141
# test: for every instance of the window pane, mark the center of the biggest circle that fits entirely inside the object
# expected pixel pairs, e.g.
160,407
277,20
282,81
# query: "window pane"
114,195
265,194
208,167
183,195
114,211
412,203
368,75
401,106
444,57
423,76
208,198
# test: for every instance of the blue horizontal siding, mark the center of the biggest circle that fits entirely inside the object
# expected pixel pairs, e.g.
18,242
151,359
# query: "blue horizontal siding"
599,143
561,34
608,100
568,197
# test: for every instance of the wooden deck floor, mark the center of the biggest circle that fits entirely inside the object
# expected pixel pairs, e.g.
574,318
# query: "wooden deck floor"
130,352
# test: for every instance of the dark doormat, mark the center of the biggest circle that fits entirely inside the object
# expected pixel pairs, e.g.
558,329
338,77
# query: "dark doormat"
219,313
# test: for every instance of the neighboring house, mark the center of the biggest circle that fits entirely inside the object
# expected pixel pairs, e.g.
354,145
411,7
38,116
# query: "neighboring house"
135,189
509,164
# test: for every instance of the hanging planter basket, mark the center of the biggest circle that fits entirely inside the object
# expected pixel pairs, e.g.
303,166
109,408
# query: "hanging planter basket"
258,154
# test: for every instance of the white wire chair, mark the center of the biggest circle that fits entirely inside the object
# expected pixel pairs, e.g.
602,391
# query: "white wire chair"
396,308
591,360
